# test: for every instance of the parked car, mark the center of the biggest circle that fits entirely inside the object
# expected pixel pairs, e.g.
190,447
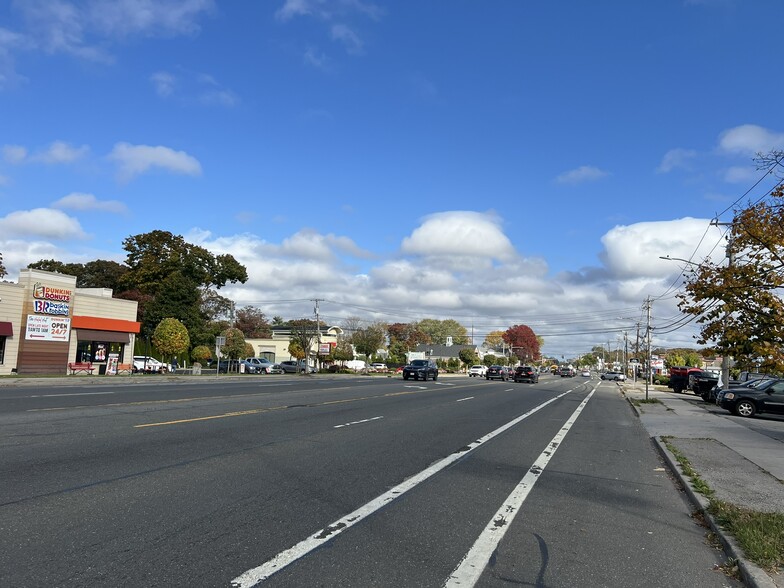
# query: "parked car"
263,365
379,367
746,401
421,369
236,366
497,372
477,371
148,365
276,369
614,376
525,373
293,367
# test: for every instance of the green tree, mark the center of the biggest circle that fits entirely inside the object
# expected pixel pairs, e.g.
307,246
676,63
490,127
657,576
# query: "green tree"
201,353
171,338
468,356
342,352
3,272
739,304
369,340
176,276
490,359
437,331
249,351
397,352
235,344
99,273
295,350
409,335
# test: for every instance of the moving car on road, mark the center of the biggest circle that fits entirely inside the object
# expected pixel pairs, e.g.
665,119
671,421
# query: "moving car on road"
421,369
525,373
745,401
497,372
477,371
614,376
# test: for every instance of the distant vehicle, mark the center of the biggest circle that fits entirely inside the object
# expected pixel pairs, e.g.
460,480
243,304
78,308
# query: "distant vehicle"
566,372
421,369
497,372
585,373
526,373
379,367
477,371
746,401
679,377
293,367
613,376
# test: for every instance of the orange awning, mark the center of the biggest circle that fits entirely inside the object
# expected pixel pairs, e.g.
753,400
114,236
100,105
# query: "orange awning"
104,324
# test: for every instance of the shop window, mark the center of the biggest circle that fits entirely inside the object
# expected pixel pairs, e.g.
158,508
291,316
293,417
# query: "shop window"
2,350
98,351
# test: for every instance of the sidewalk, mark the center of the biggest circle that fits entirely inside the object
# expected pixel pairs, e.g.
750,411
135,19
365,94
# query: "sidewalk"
742,466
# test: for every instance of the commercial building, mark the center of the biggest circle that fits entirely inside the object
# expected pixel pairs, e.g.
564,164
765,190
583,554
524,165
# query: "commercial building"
46,322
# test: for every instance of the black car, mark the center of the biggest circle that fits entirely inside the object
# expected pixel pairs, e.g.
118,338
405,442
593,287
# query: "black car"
525,373
497,372
421,369
746,401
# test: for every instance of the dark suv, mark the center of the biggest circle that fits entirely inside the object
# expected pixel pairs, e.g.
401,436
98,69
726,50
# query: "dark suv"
421,369
525,373
500,372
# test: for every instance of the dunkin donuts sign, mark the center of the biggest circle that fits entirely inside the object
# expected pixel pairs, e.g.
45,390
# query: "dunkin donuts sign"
50,300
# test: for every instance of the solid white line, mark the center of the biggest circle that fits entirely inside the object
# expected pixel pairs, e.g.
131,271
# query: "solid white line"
416,387
358,422
258,574
468,398
470,569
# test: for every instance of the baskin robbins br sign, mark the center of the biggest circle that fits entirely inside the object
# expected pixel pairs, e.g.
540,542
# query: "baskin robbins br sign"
48,300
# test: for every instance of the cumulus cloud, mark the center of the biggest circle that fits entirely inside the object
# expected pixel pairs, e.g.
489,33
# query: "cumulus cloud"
580,175
44,223
676,158
79,201
741,174
350,40
460,234
634,251
138,159
750,140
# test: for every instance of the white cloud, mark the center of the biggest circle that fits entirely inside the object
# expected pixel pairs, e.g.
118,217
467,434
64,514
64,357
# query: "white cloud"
57,152
676,158
138,159
79,201
350,40
145,17
315,58
750,140
14,153
46,223
634,251
164,83
292,8
584,173
460,234
60,152
741,174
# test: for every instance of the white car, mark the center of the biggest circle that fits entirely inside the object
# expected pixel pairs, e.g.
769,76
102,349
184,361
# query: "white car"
262,364
477,371
148,364
379,367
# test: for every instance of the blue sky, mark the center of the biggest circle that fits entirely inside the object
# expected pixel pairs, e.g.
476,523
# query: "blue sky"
497,163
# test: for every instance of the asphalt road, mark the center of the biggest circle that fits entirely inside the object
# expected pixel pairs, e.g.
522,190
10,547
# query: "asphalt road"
309,481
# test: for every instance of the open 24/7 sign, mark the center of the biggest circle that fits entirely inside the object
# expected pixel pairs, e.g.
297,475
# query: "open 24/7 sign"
47,328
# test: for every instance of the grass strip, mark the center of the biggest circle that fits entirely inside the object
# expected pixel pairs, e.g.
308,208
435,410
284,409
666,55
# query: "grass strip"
759,534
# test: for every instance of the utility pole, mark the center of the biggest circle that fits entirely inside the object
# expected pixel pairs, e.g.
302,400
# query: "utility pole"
648,351
725,358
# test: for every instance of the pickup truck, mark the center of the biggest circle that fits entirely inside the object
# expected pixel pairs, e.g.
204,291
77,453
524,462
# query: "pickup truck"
703,381
679,377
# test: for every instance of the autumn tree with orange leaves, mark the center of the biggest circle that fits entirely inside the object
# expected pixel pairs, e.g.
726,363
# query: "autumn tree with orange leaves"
739,304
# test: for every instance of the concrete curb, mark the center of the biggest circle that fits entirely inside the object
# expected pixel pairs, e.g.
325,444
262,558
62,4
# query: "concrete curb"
752,575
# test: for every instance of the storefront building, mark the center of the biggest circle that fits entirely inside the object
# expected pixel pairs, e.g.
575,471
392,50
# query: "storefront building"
46,322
